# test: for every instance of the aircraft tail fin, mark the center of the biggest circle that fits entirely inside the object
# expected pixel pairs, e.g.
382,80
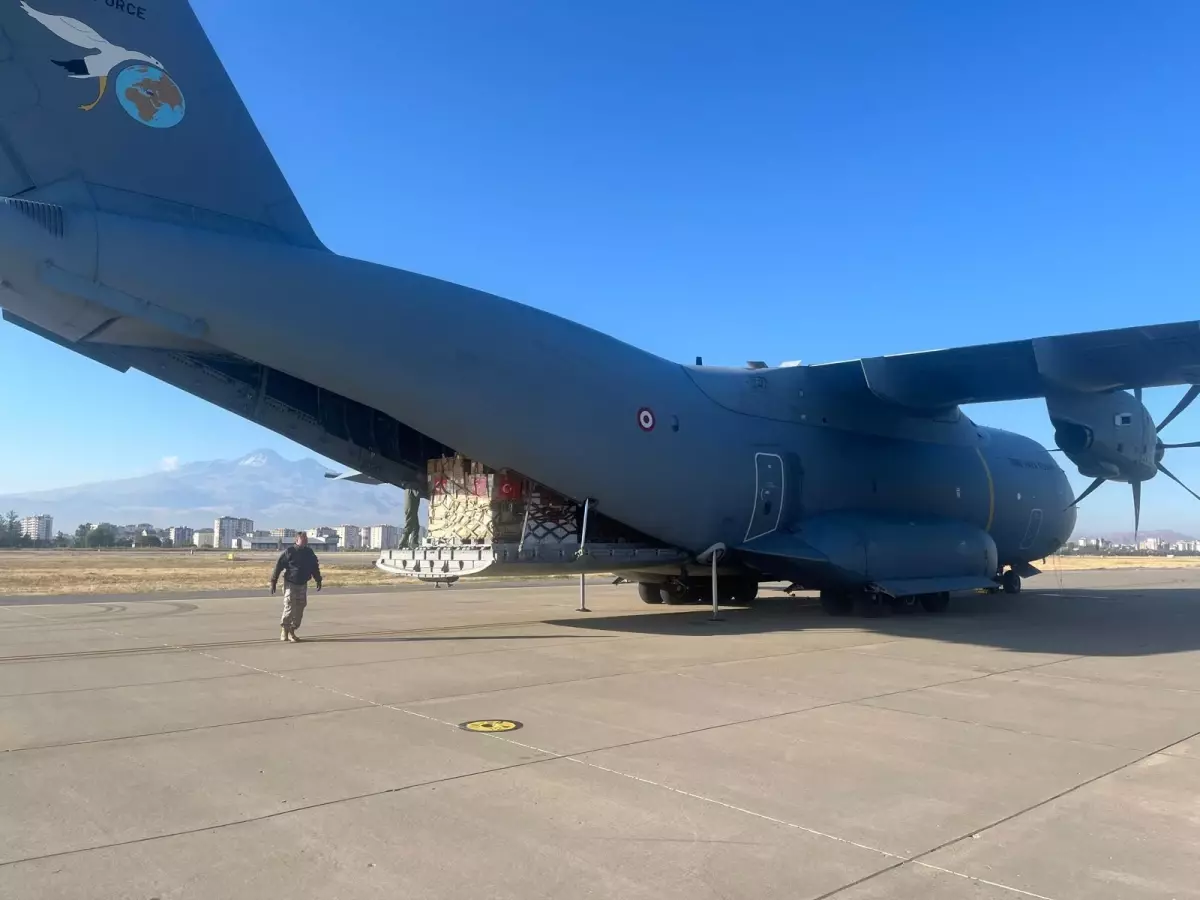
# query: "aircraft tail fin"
125,105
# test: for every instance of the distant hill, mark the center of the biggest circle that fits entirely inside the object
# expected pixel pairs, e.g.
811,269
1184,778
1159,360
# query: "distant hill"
1126,537
263,486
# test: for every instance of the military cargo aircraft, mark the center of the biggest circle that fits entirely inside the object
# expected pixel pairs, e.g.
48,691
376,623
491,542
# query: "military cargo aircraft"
145,224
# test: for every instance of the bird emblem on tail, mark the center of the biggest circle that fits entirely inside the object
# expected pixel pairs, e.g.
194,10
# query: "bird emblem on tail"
145,90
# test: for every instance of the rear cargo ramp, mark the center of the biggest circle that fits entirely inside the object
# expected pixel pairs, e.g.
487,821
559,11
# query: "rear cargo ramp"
510,560
504,524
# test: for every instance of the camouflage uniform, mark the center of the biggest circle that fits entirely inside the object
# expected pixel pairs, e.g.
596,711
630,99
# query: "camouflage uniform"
295,598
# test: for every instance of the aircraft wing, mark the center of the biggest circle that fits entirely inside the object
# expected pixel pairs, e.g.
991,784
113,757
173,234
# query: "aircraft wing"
1147,356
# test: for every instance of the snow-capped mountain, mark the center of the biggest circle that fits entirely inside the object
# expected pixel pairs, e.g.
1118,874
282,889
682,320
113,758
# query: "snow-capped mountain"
263,486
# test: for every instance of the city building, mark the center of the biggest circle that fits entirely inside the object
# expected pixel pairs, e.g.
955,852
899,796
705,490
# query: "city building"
204,538
258,541
284,534
383,537
38,528
147,536
324,542
349,537
180,535
129,534
228,529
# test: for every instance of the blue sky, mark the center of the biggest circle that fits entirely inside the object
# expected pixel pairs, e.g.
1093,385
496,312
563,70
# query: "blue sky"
808,180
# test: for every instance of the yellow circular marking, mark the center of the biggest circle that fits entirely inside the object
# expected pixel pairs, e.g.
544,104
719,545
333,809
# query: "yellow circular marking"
491,725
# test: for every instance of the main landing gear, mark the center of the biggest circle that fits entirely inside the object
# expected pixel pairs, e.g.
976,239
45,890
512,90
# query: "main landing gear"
872,604
734,591
1010,581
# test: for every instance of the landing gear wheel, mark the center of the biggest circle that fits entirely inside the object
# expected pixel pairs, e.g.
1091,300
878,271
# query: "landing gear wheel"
673,594
871,605
836,604
1011,582
650,593
935,603
904,605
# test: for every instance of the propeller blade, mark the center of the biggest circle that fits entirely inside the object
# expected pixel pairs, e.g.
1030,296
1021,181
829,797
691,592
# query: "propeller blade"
1192,393
1137,510
1177,446
1091,487
1167,472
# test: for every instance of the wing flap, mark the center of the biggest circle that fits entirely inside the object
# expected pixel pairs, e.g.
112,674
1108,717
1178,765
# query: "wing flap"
105,355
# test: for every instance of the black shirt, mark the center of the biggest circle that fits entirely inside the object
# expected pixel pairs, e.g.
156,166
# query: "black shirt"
298,565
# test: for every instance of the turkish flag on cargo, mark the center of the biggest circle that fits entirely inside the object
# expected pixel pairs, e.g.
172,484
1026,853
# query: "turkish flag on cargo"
510,487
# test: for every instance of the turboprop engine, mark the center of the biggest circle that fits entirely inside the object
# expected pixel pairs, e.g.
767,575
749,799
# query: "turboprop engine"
1111,437
1108,436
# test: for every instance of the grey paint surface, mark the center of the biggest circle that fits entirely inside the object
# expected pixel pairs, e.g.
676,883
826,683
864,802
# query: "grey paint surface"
178,250
1043,743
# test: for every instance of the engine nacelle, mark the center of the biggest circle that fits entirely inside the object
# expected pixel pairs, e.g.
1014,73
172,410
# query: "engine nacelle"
1108,435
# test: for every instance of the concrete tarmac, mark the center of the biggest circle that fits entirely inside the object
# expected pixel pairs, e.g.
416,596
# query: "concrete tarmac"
1043,745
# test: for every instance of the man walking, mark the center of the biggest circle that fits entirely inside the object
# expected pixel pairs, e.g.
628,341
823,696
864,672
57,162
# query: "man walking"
298,564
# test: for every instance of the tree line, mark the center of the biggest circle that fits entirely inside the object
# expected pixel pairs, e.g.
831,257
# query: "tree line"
87,536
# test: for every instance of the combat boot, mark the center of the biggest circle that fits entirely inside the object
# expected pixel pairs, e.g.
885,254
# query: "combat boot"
283,633
291,636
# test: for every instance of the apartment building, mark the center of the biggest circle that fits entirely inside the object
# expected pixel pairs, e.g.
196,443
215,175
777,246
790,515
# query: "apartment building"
228,529
180,535
38,528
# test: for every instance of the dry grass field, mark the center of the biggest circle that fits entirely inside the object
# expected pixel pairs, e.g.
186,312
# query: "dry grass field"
25,572
33,572
1081,563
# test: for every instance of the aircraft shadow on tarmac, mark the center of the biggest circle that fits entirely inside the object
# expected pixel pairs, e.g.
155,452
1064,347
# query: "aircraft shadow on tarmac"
1127,622
419,638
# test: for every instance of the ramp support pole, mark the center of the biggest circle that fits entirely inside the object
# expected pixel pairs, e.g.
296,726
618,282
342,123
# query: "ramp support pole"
587,503
713,554
524,528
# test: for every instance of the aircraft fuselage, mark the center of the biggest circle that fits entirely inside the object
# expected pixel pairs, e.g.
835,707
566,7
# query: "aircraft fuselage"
688,455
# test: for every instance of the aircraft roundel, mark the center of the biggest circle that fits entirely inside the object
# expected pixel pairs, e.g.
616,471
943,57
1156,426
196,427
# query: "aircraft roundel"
645,419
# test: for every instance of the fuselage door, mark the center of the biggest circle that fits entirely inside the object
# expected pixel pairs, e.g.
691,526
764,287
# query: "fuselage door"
769,488
1032,529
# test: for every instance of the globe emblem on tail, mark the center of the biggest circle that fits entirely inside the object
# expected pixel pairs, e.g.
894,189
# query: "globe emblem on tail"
149,95
145,91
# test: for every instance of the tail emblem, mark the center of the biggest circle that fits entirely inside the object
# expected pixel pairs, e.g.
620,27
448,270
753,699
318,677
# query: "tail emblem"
144,90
